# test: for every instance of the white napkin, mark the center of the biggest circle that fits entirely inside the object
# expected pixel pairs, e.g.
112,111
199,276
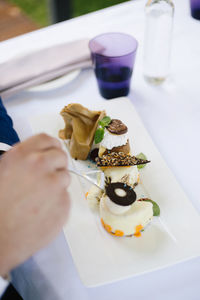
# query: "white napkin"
43,65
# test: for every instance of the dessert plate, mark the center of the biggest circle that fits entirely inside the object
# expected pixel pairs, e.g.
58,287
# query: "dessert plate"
173,237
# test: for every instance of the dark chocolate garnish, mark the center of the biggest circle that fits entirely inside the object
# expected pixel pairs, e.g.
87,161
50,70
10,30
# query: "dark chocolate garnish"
116,159
126,200
107,180
117,127
94,154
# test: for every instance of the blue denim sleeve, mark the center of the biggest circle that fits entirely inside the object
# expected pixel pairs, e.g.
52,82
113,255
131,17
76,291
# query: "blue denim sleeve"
7,133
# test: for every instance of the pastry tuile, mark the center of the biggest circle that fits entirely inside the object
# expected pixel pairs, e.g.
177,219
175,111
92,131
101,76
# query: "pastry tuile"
80,127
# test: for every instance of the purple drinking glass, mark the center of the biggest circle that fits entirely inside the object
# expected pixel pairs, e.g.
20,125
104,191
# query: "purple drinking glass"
113,57
195,9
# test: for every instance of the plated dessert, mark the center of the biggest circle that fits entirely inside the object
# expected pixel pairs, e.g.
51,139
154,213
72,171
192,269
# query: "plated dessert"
123,208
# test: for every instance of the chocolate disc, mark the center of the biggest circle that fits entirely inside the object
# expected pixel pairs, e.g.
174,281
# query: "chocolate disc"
117,127
129,197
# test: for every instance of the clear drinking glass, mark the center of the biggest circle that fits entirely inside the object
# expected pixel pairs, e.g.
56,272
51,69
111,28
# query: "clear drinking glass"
113,56
157,40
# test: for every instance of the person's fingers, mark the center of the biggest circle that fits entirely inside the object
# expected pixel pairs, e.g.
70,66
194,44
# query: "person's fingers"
58,213
38,142
65,205
49,160
60,179
59,182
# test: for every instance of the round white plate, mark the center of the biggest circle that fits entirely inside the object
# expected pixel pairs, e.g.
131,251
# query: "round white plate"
56,83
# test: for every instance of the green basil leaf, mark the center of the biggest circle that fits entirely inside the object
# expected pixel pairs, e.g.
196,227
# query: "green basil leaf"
99,134
141,156
156,208
105,121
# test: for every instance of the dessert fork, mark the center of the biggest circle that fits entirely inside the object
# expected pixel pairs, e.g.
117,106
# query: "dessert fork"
96,177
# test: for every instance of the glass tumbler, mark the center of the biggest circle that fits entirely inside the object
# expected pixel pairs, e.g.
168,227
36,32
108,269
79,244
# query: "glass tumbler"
113,56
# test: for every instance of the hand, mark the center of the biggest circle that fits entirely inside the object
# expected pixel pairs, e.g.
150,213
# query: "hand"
34,202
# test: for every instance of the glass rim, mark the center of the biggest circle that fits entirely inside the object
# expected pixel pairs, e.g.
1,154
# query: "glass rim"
111,56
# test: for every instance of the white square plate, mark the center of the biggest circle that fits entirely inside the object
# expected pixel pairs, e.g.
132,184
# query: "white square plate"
173,237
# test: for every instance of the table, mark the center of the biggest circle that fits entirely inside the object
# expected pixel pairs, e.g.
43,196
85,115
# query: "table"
171,114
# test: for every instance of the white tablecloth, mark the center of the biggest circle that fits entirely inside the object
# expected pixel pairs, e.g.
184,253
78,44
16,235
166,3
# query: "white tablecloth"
171,114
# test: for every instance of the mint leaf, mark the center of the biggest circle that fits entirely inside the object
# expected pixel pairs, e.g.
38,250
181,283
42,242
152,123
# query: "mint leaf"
105,121
99,134
141,156
156,208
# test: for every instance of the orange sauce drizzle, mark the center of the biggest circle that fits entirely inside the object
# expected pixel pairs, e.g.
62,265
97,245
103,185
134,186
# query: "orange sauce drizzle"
102,222
108,228
119,233
138,228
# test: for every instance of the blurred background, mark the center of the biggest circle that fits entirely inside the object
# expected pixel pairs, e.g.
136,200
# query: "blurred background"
22,16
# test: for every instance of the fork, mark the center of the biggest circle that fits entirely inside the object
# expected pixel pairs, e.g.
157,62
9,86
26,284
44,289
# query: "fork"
96,177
